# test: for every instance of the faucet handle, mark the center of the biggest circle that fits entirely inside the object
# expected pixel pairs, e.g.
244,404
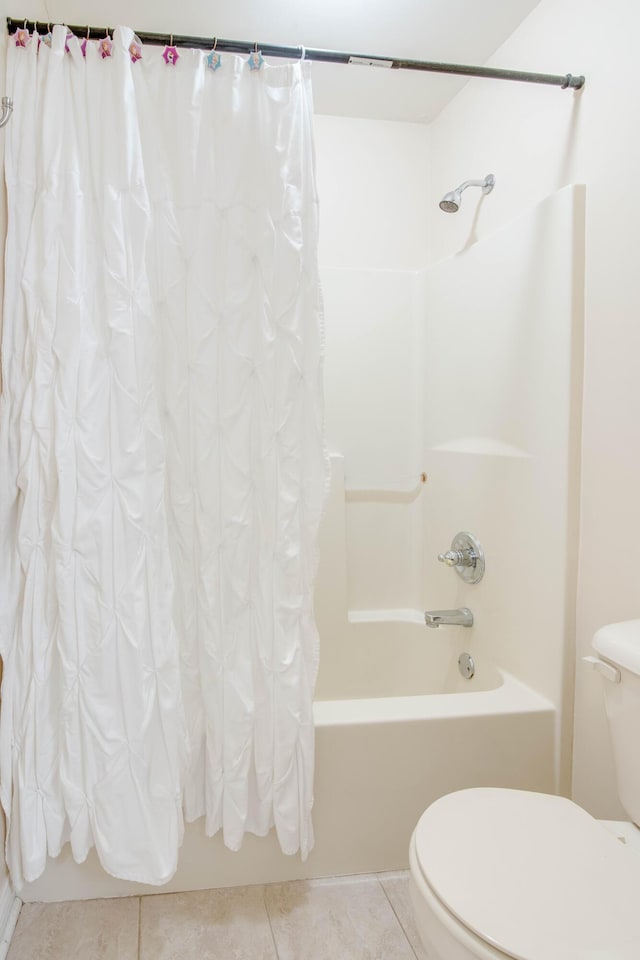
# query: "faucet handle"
466,556
453,558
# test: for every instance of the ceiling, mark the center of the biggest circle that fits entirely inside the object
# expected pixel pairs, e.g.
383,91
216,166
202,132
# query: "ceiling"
456,31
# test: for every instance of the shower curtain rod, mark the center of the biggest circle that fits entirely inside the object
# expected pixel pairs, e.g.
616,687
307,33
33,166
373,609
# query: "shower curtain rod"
565,81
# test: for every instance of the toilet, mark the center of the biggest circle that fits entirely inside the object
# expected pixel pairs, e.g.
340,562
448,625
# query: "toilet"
499,874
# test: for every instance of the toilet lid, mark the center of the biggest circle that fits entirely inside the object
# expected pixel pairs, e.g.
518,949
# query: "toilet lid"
533,875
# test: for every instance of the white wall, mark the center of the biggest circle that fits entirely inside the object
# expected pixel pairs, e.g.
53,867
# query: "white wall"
535,140
373,179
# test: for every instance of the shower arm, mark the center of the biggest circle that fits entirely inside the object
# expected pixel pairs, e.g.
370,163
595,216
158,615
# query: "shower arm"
486,184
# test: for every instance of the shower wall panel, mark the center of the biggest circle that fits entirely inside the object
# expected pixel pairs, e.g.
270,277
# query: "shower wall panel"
373,391
503,362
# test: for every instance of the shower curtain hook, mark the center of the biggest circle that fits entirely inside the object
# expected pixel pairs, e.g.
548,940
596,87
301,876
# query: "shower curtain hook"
214,60
135,49
106,45
22,35
170,55
303,53
255,59
47,38
83,45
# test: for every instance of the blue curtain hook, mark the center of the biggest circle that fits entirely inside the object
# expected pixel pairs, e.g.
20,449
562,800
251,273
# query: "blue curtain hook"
214,60
255,59
47,38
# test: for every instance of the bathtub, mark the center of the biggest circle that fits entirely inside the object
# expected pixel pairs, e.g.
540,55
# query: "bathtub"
396,728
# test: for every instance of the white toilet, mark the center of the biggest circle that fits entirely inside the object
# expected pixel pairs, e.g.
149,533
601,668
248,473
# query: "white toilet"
500,874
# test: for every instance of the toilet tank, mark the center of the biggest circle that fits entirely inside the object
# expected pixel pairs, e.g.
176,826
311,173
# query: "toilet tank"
619,644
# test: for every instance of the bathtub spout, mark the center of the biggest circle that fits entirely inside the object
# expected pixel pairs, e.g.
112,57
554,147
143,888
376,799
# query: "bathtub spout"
462,617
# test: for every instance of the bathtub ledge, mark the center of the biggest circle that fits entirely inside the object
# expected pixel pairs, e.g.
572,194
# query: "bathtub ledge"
511,697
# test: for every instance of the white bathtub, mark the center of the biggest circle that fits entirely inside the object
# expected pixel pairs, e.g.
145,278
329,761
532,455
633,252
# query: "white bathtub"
396,727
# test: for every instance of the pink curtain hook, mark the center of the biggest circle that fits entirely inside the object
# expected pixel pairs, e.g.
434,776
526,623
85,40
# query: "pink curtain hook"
171,55
22,36
106,45
83,45
135,49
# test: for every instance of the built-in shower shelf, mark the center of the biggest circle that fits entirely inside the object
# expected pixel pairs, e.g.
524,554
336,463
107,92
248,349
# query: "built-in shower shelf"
485,446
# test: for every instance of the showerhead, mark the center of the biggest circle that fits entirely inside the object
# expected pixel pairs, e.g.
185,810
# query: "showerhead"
450,203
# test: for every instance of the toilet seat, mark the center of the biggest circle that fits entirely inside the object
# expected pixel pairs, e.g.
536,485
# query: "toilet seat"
532,875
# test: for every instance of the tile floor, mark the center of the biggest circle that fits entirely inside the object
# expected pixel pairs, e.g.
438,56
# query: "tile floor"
346,918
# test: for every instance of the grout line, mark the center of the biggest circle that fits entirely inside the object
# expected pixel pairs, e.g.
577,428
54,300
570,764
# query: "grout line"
266,907
139,928
398,919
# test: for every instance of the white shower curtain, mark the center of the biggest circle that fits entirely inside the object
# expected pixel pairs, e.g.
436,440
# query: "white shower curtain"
163,469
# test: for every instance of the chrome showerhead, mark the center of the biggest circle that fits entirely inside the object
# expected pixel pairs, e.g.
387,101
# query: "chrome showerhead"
450,203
